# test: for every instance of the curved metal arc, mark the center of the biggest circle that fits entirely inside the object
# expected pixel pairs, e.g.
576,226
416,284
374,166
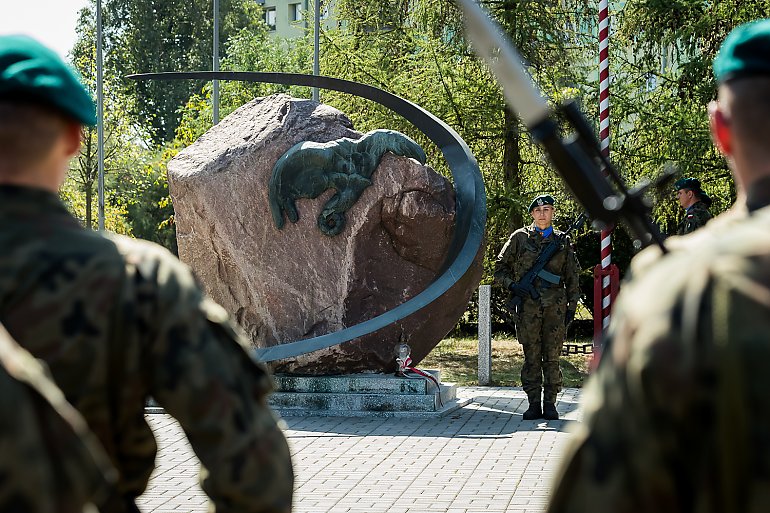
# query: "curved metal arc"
415,114
469,193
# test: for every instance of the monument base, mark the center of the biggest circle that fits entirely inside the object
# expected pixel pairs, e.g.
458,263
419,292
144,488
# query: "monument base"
364,395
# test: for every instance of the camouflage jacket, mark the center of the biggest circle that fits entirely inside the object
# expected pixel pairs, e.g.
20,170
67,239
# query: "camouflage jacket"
695,217
49,461
519,254
676,417
121,320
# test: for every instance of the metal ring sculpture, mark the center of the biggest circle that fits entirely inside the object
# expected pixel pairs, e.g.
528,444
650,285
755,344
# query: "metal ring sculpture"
471,204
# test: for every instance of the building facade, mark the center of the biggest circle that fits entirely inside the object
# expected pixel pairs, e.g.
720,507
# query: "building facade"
292,18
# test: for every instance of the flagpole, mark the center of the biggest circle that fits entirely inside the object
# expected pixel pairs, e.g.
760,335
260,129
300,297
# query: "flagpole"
604,138
316,44
99,115
215,92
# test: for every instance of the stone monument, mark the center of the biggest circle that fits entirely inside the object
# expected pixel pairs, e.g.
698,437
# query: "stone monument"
370,225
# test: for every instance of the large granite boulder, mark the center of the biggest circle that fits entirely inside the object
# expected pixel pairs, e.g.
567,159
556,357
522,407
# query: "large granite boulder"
283,285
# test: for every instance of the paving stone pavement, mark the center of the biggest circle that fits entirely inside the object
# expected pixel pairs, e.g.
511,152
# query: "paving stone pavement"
481,458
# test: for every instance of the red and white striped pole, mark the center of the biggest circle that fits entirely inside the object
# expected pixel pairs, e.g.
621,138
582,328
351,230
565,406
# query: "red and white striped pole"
604,137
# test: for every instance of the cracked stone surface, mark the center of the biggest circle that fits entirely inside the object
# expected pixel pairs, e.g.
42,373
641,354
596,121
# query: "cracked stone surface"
295,283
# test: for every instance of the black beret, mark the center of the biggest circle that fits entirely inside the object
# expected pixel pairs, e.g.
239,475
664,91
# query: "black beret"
688,183
543,199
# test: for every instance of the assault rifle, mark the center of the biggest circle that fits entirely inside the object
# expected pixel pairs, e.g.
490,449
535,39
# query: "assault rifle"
578,158
526,285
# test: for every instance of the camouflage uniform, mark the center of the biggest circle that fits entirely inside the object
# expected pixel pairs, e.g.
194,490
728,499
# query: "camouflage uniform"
121,320
695,217
540,325
49,461
676,417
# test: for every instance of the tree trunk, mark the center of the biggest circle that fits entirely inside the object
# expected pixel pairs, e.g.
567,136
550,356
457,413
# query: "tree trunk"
512,164
89,197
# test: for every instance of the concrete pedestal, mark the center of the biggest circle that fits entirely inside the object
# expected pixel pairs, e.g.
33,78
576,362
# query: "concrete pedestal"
360,395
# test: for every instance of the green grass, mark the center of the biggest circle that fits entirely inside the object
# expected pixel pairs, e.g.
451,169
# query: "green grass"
457,359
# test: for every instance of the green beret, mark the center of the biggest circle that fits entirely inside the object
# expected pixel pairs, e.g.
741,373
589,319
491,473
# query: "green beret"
543,199
745,52
32,73
688,183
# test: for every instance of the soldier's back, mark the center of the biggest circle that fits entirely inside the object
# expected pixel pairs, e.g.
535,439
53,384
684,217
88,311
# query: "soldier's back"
120,320
677,415
49,460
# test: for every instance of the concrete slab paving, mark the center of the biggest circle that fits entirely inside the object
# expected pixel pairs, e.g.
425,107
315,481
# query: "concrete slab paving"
480,458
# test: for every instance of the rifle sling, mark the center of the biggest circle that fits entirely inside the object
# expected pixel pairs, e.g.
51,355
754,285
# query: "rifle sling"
542,259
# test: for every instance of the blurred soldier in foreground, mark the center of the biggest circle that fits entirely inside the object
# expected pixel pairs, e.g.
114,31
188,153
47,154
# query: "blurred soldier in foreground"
695,203
543,283
49,461
121,320
677,416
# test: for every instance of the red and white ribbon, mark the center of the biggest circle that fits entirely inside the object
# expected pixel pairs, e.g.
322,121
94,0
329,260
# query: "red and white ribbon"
405,367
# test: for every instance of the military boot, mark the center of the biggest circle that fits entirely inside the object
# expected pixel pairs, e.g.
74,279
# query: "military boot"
549,411
533,412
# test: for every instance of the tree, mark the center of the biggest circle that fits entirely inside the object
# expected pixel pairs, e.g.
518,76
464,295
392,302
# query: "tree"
417,49
663,83
167,35
147,203
119,148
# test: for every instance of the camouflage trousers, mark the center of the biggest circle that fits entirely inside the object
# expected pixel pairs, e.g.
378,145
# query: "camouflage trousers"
541,331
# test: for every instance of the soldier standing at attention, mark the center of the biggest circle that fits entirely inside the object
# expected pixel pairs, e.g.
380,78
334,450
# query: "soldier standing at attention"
695,203
49,461
119,320
543,316
677,416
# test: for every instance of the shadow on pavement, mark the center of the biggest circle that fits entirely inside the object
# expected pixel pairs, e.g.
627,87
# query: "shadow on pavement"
488,416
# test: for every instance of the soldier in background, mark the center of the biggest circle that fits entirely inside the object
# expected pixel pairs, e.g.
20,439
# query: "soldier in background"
677,416
49,461
695,203
541,324
119,320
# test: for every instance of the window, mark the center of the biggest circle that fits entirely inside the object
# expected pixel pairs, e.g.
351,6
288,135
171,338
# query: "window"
651,82
270,18
295,12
